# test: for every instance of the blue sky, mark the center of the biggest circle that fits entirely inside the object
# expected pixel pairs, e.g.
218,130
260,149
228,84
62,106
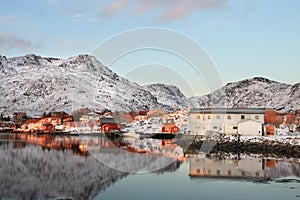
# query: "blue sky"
244,38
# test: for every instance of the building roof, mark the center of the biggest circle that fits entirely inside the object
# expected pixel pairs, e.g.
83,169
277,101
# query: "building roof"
92,114
110,120
246,177
169,125
228,110
249,120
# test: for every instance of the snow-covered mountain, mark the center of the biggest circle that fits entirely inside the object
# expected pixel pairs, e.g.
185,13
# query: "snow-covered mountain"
169,95
256,92
35,85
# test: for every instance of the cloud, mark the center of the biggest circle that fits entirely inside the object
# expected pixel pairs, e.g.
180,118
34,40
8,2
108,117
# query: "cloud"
12,41
116,6
78,15
4,19
167,10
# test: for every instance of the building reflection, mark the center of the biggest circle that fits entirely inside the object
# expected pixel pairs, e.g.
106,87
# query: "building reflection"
48,142
243,168
85,144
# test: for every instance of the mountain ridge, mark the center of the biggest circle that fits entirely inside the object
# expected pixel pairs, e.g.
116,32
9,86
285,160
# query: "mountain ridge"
36,84
256,92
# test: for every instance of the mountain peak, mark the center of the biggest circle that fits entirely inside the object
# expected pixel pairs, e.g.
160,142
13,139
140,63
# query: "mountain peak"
168,95
82,57
253,81
262,79
254,92
49,84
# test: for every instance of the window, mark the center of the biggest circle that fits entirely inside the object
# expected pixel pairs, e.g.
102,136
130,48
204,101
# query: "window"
198,171
242,116
198,117
228,116
208,171
215,127
200,127
218,172
218,116
208,116
234,127
256,117
229,172
243,174
197,160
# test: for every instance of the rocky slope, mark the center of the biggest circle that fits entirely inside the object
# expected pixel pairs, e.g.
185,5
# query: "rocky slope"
169,95
256,92
35,85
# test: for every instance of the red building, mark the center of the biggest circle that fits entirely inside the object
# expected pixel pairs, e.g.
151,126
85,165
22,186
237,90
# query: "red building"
109,124
170,128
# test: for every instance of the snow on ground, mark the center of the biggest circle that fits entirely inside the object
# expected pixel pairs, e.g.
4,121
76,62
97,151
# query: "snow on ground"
257,92
151,125
272,140
291,140
155,124
35,85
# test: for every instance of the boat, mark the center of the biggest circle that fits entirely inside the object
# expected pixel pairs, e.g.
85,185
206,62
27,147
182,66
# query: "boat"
131,135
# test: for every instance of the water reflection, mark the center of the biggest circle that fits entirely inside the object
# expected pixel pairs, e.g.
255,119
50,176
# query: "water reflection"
31,173
44,166
60,143
242,167
138,155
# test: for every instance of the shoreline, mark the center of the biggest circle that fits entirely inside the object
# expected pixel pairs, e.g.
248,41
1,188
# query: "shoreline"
286,146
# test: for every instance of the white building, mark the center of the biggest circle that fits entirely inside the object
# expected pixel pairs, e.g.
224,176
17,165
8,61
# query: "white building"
250,128
243,121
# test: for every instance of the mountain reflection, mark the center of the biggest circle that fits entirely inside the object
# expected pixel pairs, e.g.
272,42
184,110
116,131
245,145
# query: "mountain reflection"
32,173
44,166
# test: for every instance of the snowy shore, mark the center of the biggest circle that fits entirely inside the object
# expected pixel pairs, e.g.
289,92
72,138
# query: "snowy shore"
286,146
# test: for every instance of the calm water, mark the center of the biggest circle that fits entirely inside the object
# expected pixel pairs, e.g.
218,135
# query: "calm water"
92,167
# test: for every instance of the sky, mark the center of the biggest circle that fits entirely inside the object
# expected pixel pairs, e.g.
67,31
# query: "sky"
239,38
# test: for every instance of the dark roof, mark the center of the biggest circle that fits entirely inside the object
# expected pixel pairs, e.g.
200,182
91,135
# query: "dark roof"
110,120
228,110
192,176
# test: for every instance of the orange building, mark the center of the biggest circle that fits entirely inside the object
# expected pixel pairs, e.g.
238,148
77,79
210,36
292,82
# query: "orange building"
270,130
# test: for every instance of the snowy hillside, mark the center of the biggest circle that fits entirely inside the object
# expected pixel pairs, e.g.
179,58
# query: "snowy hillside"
252,93
169,95
35,85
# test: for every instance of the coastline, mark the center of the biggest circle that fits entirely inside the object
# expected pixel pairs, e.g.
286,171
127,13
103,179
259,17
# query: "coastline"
286,146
